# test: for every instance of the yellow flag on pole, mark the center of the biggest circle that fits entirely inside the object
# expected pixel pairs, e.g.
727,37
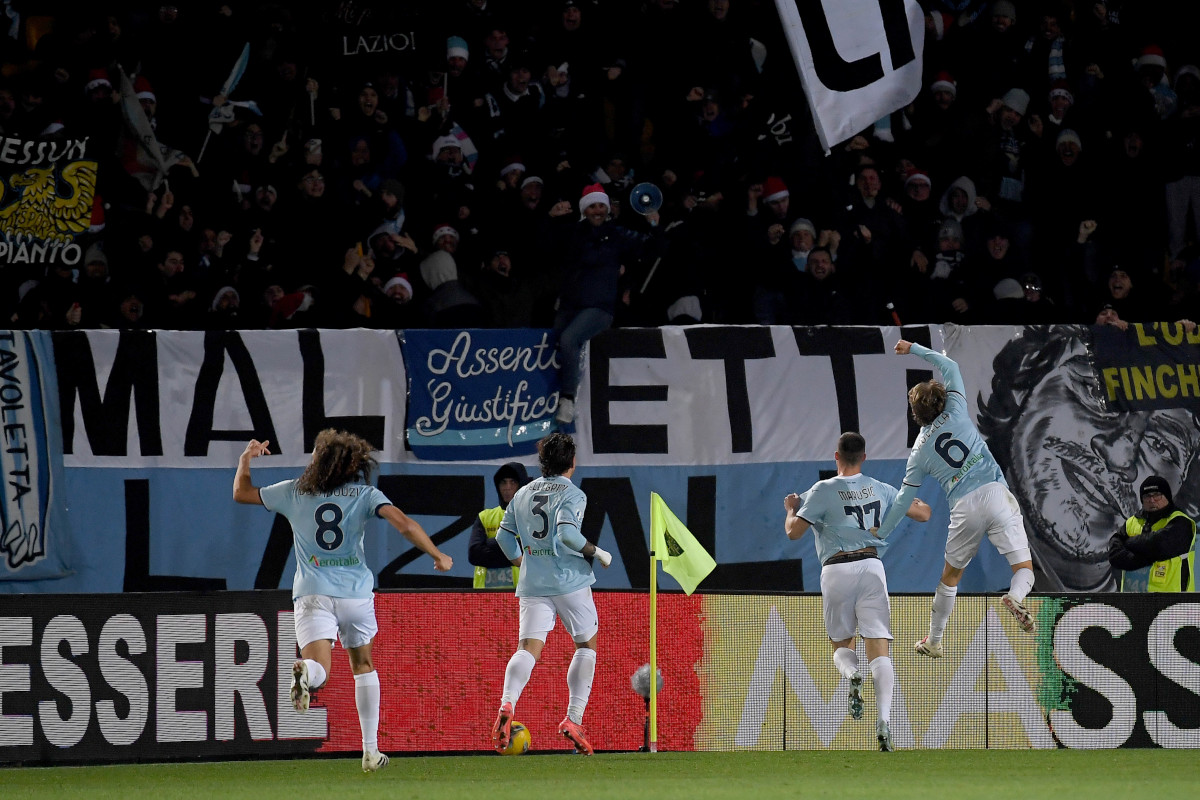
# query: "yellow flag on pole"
682,557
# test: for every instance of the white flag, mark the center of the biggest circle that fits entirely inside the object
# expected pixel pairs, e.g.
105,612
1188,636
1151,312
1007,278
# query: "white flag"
859,60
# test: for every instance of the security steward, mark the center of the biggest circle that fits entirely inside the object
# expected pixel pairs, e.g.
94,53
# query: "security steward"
493,570
1156,550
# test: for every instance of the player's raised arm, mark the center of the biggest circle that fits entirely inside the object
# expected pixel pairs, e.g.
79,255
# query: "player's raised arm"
411,529
244,490
946,365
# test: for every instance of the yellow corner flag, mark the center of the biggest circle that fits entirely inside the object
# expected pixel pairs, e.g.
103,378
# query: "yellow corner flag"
682,557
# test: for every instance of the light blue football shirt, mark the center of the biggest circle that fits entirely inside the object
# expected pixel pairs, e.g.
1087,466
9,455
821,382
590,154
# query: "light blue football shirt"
547,514
842,511
327,535
949,449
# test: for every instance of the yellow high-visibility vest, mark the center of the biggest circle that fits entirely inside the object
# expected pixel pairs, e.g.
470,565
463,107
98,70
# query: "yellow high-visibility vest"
494,577
1176,574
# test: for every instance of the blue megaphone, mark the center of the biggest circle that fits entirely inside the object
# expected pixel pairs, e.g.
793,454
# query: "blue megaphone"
645,197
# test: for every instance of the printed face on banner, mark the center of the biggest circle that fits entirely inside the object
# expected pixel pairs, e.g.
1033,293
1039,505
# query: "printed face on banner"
1074,460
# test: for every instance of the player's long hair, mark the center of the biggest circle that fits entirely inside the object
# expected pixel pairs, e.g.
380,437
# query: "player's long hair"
927,401
338,458
556,454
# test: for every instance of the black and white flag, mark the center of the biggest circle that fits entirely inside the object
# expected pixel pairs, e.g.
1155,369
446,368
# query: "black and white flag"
859,60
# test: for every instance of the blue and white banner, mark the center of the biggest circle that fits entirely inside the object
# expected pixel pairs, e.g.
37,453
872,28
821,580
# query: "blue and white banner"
477,395
35,540
722,422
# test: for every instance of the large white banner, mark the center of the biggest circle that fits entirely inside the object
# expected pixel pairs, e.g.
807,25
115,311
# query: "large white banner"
859,60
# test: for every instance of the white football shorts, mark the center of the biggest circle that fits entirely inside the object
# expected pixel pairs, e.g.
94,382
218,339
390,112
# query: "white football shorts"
991,509
577,611
351,620
855,596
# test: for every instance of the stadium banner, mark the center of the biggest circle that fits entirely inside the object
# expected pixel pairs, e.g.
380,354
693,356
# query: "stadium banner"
1078,417
475,395
721,421
859,60
184,675
47,189
35,528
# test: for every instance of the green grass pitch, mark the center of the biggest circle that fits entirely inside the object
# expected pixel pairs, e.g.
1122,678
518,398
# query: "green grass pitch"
917,774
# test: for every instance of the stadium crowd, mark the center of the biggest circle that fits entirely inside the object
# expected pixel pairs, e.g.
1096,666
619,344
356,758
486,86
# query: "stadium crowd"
392,168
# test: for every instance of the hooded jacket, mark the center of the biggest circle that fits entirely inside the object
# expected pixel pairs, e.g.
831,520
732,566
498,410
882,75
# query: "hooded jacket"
492,567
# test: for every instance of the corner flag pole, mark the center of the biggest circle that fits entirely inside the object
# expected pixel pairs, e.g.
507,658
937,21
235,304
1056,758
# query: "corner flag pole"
653,653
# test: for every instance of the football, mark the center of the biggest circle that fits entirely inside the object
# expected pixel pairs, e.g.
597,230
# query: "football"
520,742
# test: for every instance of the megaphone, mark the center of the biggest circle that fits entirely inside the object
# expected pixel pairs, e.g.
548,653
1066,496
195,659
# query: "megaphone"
645,198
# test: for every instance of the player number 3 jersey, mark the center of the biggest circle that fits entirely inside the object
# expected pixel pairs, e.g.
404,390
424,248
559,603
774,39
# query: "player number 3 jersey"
542,525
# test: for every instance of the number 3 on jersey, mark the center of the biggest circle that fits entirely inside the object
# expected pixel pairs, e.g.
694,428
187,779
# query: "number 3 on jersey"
539,510
329,535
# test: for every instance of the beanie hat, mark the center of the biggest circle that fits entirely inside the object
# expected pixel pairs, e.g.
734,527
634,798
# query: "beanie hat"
1003,8
941,21
95,254
400,279
1152,56
97,77
1155,484
437,268
1061,88
512,165
445,229
594,193
1008,289
224,290
143,89
774,189
802,224
944,82
1068,135
457,46
1017,100
443,142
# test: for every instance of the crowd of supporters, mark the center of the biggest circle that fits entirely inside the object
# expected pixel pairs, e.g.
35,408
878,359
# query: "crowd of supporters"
389,167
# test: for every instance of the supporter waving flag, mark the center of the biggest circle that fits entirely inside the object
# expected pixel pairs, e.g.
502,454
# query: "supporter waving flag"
859,60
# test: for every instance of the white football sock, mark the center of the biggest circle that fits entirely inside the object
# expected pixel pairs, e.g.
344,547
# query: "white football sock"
366,697
943,604
1022,583
884,678
579,682
316,675
516,675
846,661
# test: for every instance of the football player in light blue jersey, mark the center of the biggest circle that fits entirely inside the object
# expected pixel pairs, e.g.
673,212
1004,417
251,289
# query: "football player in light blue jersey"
844,513
328,507
541,533
950,449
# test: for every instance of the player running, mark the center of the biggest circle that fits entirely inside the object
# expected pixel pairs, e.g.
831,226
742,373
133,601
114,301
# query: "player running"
541,533
844,512
328,507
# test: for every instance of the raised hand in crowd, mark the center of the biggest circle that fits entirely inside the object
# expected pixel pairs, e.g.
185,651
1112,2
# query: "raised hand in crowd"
1086,229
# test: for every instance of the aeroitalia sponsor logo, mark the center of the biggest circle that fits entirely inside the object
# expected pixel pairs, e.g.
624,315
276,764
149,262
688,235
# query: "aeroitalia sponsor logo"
348,561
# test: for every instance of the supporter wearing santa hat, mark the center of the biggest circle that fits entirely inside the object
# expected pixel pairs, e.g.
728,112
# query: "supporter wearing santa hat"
594,255
594,205
445,237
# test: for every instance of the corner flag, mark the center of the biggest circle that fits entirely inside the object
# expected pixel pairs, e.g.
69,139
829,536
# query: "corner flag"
682,557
